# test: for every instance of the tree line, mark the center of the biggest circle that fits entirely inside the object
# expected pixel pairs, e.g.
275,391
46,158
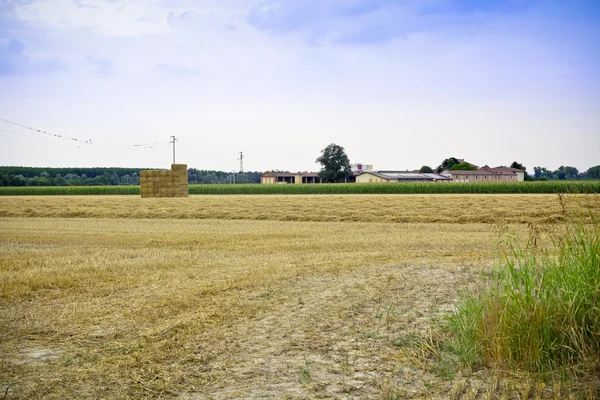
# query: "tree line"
35,176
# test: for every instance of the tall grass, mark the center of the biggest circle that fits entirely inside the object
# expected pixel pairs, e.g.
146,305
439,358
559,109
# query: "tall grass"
541,310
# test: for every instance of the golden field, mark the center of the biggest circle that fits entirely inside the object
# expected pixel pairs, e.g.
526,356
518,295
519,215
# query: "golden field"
428,208
248,296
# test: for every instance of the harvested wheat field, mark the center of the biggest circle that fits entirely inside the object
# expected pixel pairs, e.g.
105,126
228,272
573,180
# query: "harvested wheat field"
212,297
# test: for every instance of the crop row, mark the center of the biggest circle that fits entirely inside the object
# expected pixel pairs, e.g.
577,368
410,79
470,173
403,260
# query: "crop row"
373,188
405,188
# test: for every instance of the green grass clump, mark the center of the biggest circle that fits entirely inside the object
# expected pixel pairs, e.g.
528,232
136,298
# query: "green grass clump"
540,312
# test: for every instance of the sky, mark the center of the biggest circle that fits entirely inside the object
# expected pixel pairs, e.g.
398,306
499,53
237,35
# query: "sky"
398,83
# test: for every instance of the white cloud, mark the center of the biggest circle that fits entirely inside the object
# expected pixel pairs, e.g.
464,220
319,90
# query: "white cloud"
119,18
200,71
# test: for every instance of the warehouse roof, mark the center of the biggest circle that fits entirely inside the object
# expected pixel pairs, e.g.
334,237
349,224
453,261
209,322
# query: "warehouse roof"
406,176
486,171
291,174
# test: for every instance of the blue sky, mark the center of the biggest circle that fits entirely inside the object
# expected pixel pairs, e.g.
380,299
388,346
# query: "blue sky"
398,83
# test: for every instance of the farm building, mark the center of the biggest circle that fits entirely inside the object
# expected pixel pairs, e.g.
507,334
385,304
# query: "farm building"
486,175
360,167
399,176
165,183
286,177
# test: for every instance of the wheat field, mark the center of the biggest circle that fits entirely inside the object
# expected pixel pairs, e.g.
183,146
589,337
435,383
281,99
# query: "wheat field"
248,296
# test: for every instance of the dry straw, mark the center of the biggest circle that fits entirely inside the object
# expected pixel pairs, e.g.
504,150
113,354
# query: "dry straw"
165,183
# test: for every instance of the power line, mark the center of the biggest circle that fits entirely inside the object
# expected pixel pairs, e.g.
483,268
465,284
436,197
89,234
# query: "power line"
241,159
43,140
191,152
89,141
173,140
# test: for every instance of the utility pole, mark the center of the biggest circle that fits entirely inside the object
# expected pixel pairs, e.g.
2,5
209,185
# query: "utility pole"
241,159
173,140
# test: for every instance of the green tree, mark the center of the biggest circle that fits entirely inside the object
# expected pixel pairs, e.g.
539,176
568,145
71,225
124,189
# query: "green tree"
594,172
426,169
538,172
18,180
114,179
335,164
566,172
463,167
448,163
518,165
59,180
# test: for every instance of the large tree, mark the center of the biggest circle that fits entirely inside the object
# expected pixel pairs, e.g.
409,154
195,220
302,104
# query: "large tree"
464,166
335,164
594,172
426,169
448,163
518,165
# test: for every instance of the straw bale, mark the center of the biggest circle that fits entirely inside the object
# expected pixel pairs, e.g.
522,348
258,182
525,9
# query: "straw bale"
165,183
179,167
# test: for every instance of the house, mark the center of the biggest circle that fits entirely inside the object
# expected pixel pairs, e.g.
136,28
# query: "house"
399,176
486,174
286,177
360,167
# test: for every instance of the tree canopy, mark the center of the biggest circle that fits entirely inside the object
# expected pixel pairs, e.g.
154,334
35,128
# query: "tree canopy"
448,163
426,169
464,166
562,173
335,165
593,172
67,176
518,165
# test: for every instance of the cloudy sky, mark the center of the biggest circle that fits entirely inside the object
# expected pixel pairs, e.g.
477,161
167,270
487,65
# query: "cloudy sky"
398,83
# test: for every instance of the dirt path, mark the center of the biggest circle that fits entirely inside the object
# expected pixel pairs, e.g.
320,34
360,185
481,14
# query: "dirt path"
334,337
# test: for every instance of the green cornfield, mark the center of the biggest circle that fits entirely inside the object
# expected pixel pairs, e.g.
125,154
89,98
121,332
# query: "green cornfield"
350,188
405,188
